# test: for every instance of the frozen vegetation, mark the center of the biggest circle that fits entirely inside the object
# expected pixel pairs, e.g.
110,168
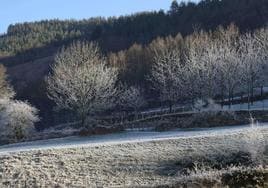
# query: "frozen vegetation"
195,75
130,136
191,161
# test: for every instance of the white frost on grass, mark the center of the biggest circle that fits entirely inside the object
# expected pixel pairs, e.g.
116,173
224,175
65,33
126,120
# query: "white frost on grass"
122,165
121,138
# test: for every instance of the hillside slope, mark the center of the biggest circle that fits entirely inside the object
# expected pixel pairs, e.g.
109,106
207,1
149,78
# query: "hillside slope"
150,164
27,49
39,39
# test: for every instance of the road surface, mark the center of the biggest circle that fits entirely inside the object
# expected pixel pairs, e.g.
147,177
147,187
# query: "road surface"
121,138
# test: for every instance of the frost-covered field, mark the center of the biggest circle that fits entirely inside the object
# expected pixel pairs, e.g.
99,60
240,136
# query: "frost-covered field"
122,165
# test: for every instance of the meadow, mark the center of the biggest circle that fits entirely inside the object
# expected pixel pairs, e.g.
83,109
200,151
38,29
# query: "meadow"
212,161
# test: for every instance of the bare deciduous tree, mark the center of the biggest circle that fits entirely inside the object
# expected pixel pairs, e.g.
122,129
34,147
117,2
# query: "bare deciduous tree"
251,55
132,97
262,39
168,76
202,59
81,80
229,65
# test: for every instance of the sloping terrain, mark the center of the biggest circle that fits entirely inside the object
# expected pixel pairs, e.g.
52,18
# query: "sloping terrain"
29,73
121,138
149,164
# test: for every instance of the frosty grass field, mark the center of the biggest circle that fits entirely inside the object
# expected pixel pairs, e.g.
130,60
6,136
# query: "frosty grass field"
153,163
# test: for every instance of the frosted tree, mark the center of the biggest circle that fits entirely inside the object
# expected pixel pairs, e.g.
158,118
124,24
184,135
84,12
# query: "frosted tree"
251,55
202,55
215,63
81,81
168,76
6,90
230,72
17,119
132,97
229,64
262,39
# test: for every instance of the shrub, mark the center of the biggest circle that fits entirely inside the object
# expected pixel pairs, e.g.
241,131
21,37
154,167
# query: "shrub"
214,161
232,177
17,119
246,178
253,141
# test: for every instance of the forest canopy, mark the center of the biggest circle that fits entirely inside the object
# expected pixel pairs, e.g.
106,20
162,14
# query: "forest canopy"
34,39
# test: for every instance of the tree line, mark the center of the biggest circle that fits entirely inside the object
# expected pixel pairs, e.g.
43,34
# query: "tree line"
34,39
202,66
130,44
90,84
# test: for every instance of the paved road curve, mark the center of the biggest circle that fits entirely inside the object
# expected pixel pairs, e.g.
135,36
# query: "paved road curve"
120,138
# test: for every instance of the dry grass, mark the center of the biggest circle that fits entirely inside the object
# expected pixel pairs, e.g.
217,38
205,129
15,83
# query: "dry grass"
127,165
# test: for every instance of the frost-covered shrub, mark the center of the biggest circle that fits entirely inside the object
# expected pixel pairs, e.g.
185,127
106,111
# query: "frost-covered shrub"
17,119
212,106
199,104
233,177
245,177
207,105
254,142
215,161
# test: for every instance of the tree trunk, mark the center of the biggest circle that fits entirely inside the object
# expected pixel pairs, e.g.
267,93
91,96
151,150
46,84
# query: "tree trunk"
83,121
170,107
222,98
241,99
83,118
229,98
248,91
262,98
251,91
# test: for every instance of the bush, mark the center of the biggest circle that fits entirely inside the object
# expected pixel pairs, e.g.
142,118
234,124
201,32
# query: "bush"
232,177
206,105
246,178
17,119
214,161
254,142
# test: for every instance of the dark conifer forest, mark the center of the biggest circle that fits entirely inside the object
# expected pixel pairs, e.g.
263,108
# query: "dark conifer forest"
35,39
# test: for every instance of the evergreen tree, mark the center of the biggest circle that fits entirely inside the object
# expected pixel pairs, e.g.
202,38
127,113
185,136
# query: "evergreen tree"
174,8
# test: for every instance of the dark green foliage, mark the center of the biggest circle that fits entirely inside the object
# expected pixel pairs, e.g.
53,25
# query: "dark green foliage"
174,8
35,39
